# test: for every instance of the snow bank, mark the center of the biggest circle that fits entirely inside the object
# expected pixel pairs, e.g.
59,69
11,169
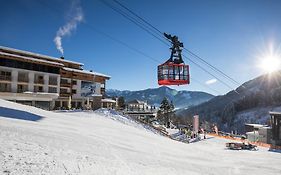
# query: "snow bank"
90,143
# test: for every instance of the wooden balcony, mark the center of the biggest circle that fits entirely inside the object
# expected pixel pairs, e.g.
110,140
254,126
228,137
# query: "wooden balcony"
65,94
65,85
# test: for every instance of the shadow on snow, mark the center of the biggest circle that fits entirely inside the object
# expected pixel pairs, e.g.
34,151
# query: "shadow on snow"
18,114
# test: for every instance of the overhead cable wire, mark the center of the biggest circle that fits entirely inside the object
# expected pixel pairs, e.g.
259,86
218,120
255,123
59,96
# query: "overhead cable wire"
185,49
122,43
125,15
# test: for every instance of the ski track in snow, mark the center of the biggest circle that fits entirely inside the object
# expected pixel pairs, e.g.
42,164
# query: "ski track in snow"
93,143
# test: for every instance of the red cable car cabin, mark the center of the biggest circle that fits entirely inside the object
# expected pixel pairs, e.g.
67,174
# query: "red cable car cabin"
173,74
173,71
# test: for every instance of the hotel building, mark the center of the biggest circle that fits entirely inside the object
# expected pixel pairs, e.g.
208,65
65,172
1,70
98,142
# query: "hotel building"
48,82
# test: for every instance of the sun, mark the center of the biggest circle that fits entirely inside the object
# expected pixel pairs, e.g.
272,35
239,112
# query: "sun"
270,63
270,59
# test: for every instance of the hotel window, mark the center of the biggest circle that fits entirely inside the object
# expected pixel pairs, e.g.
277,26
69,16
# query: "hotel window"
38,79
74,82
22,88
53,80
22,77
63,91
5,75
28,66
5,87
52,90
74,91
63,81
38,88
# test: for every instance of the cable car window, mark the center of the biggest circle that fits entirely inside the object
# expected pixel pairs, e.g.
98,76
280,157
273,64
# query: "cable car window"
165,72
177,72
171,72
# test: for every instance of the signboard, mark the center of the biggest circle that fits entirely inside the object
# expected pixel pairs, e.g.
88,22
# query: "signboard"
88,88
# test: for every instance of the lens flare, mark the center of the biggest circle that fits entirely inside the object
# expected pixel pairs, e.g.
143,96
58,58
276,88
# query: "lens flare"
271,61
270,64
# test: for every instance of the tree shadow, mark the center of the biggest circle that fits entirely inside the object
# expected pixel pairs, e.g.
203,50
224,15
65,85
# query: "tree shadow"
18,114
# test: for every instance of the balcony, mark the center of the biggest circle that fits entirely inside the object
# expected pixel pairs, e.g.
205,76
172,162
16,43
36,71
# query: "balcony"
22,90
5,78
65,84
65,94
3,89
39,81
23,79
53,83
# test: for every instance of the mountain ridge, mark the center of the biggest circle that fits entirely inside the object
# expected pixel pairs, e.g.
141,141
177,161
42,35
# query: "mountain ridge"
246,104
154,96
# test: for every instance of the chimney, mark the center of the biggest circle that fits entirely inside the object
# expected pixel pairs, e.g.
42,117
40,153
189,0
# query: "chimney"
62,57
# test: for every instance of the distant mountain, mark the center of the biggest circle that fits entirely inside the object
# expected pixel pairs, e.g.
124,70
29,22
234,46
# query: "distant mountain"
181,99
249,103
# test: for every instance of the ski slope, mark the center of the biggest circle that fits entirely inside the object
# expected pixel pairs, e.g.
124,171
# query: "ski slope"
34,141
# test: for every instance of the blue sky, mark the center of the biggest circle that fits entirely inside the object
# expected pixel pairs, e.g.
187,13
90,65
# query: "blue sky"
230,35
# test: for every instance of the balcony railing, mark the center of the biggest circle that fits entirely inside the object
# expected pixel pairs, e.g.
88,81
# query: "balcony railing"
5,89
39,81
64,94
53,83
5,78
64,84
23,79
22,90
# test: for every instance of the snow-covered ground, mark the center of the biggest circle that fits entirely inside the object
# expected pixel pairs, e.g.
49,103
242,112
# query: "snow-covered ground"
33,141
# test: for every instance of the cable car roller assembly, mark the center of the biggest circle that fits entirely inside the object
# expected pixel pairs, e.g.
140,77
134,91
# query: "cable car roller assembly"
174,71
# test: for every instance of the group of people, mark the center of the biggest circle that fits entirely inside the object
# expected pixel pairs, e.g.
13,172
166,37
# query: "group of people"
194,134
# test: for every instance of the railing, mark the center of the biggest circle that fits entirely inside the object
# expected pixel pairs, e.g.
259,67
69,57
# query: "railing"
53,83
65,94
5,89
22,90
37,90
65,84
6,78
39,81
23,79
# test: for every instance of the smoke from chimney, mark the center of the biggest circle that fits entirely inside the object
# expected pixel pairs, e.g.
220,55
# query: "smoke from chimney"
76,16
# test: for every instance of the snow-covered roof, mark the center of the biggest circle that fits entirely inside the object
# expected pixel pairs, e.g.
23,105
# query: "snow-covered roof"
136,102
94,95
86,72
30,58
275,113
39,55
254,125
107,100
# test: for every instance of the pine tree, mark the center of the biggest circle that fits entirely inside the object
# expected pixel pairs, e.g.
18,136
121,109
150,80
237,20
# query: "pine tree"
121,103
165,112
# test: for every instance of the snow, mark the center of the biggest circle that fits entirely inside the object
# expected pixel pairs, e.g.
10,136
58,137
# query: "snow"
29,58
86,72
256,115
34,141
37,55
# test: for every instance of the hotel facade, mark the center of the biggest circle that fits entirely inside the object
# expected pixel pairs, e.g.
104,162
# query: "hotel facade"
48,82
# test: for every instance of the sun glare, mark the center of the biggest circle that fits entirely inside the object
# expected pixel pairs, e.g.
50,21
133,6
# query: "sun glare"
270,63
